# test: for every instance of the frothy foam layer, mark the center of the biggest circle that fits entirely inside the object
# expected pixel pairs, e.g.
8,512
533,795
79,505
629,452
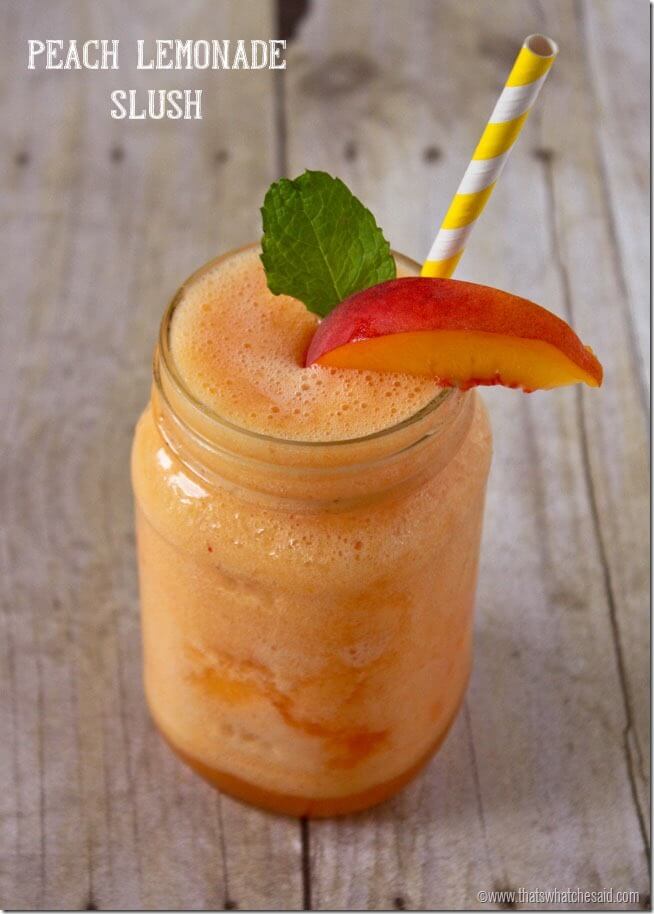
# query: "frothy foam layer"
239,350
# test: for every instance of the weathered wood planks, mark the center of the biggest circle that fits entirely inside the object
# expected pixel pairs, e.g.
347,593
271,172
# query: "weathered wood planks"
544,779
102,220
541,782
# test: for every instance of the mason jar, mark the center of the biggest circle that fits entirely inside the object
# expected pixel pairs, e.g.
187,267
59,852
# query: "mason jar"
307,606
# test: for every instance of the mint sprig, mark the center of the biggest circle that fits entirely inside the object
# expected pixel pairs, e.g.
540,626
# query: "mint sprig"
320,244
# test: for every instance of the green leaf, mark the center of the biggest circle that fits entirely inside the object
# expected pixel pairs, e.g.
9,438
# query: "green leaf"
320,244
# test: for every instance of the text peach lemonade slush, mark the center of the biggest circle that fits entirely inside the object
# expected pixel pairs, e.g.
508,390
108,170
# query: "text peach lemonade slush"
309,502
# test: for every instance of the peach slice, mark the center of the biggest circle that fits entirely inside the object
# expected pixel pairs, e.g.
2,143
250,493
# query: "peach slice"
459,333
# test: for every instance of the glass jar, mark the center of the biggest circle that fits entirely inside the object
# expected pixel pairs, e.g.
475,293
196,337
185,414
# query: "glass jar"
306,606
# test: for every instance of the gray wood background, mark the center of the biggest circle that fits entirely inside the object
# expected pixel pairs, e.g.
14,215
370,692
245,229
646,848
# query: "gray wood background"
543,782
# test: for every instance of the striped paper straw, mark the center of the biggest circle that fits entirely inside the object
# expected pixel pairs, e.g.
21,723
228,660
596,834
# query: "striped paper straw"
529,72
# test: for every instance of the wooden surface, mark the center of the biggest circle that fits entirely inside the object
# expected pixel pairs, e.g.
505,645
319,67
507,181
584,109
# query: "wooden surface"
544,780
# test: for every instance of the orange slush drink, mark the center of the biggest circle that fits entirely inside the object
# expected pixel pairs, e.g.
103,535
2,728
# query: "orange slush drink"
308,544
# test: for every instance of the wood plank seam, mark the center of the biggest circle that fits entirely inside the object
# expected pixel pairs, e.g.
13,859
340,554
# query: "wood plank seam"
306,864
476,781
561,268
287,20
228,903
615,627
618,265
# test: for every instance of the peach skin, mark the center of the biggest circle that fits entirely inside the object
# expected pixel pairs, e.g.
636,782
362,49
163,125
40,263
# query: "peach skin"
460,333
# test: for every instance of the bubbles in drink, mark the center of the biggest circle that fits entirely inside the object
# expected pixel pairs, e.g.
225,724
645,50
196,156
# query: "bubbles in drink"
240,351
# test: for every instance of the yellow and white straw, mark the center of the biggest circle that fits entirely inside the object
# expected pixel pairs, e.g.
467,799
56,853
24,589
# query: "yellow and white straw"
529,72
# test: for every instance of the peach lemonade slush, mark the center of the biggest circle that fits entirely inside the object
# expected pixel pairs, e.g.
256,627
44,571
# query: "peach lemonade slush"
308,536
306,607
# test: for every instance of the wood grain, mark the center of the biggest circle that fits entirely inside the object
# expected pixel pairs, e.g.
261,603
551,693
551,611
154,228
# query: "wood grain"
102,220
544,780
547,759
618,68
613,429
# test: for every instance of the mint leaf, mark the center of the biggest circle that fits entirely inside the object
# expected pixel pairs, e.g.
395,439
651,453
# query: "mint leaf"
320,244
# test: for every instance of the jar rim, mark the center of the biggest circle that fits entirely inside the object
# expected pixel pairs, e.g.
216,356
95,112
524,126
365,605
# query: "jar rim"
164,353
